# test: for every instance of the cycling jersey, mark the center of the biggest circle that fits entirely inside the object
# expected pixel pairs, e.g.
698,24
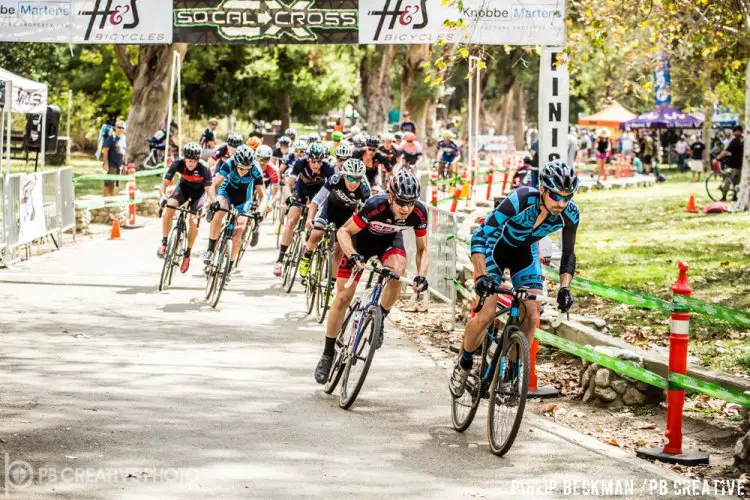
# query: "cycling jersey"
221,153
280,157
448,151
510,228
336,193
270,174
392,154
411,152
378,161
207,136
239,189
198,178
306,176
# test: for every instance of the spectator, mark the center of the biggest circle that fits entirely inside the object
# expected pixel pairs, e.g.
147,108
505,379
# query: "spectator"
407,125
112,155
628,140
602,150
696,158
681,149
648,152
208,138
735,152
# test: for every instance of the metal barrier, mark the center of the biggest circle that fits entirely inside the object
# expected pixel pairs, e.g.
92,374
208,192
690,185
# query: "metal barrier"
27,199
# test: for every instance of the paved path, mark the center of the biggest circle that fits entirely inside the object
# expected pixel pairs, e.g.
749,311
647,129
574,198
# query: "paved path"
125,392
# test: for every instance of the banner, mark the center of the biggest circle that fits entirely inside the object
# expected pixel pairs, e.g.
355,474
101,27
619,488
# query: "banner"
86,21
26,96
662,82
554,101
32,223
503,144
265,22
490,22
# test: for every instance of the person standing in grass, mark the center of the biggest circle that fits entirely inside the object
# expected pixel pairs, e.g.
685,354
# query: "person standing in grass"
112,155
696,158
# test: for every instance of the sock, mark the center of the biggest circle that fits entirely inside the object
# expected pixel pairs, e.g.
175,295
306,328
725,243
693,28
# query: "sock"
211,245
164,241
330,344
467,360
282,251
385,311
307,255
187,252
231,264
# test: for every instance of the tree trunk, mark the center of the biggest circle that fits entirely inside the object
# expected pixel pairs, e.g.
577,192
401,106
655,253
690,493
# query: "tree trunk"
411,75
376,80
708,111
285,110
519,117
743,200
150,78
431,126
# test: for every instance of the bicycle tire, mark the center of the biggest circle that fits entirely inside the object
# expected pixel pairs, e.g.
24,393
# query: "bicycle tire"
225,255
280,228
165,279
311,283
371,320
473,391
254,233
338,358
714,184
243,247
290,262
500,445
179,251
325,292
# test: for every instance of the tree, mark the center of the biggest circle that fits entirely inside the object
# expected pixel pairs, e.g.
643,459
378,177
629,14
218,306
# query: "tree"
376,71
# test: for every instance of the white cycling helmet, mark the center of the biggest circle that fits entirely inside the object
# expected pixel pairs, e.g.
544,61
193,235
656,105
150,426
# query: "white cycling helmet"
263,152
354,168
299,146
344,151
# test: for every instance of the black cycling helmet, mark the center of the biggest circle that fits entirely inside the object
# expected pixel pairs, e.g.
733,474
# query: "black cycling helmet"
359,141
244,155
527,160
313,138
316,151
173,124
372,142
192,151
285,141
405,186
398,135
235,140
557,176
291,133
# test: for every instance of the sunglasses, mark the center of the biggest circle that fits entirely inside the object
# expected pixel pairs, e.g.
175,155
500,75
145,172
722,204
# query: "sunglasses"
120,128
372,149
243,169
315,162
401,203
351,178
559,197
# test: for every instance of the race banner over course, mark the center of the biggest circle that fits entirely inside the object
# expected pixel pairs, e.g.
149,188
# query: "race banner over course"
262,22
490,22
86,21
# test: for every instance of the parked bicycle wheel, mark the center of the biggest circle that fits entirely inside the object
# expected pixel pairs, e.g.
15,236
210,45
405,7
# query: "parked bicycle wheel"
510,384
358,361
464,409
222,270
718,185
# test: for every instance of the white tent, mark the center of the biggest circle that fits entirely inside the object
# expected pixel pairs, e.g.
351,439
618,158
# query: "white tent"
21,96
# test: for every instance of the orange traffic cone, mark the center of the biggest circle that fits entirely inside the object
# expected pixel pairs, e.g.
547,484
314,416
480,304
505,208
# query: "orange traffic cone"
691,205
115,230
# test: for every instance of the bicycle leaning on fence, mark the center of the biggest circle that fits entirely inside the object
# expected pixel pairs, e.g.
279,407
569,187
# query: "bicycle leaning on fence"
217,272
502,375
176,245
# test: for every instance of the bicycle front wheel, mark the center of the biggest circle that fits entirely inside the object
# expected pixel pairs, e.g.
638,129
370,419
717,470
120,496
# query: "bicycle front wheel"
311,283
170,259
464,409
325,286
717,186
510,384
361,353
291,261
222,270
339,358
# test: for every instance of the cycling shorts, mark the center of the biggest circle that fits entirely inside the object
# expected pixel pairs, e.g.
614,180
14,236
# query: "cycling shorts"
522,262
369,245
327,213
235,197
303,193
182,193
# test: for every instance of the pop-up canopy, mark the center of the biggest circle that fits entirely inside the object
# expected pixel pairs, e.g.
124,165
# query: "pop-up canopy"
663,117
611,116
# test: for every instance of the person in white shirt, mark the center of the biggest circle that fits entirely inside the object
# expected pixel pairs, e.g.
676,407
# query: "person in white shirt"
627,139
681,148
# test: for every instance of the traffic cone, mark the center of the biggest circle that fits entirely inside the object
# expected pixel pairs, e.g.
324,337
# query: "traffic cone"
115,230
691,205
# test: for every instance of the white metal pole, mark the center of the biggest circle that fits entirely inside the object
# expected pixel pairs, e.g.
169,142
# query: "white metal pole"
70,107
178,63
169,113
470,106
44,138
477,94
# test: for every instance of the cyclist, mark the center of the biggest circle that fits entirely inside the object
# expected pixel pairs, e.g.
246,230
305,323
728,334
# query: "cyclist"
411,150
299,149
307,178
343,153
281,153
335,202
390,150
313,138
225,151
195,184
291,133
374,160
398,139
448,153
336,138
270,174
240,182
376,231
359,141
508,239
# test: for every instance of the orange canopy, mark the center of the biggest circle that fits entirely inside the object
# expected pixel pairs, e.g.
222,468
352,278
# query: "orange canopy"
611,116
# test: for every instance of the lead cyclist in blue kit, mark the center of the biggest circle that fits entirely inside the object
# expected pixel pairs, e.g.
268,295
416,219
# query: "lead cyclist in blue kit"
508,239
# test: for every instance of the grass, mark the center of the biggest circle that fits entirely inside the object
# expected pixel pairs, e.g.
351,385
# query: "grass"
633,239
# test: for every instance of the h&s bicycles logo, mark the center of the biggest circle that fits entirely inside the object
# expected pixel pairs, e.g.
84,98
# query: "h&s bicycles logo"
117,15
403,13
17,474
118,21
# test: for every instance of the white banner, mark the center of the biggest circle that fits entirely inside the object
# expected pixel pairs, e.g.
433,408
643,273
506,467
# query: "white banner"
490,22
86,21
554,103
504,144
32,222
26,96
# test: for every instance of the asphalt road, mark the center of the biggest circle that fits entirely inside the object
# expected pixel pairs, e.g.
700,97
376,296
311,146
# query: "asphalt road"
111,389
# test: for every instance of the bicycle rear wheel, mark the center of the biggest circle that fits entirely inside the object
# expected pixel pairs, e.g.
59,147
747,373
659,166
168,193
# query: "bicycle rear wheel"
717,186
464,409
291,260
222,270
311,283
325,286
359,359
508,392
170,258
339,350
280,227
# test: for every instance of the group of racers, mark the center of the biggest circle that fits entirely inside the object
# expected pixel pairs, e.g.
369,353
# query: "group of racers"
367,187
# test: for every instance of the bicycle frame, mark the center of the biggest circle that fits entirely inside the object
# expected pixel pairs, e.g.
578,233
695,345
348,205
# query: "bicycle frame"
373,301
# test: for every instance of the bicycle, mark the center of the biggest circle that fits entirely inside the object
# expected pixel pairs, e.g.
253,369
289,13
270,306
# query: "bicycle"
217,270
282,212
294,253
253,230
494,376
720,182
320,279
176,245
354,349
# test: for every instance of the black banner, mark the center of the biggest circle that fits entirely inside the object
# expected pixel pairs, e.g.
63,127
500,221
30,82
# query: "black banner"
265,22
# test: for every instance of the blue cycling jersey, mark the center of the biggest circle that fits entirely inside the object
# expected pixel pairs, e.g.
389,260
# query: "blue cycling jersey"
236,183
448,150
511,224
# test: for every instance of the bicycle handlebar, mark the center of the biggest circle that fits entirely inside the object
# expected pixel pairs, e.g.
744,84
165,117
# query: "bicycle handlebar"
383,271
520,294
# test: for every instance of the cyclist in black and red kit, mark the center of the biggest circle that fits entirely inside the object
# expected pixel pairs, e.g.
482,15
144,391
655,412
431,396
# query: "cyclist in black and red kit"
224,152
374,160
376,231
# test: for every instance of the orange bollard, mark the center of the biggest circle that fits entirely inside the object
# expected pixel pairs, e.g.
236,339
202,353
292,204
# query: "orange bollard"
115,234
505,181
489,178
131,196
456,196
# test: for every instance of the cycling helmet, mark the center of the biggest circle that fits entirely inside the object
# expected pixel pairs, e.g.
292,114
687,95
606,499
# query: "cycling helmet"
263,152
410,137
355,130
284,141
337,136
359,140
557,176
312,138
398,136
316,151
234,140
244,156
344,151
448,135
372,142
173,124
405,186
527,160
253,142
387,137
192,151
291,133
353,167
300,146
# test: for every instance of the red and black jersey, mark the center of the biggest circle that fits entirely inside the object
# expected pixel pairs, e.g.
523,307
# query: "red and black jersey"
198,178
377,218
221,153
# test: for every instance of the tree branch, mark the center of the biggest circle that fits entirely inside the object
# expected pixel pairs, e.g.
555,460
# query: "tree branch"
359,110
130,69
